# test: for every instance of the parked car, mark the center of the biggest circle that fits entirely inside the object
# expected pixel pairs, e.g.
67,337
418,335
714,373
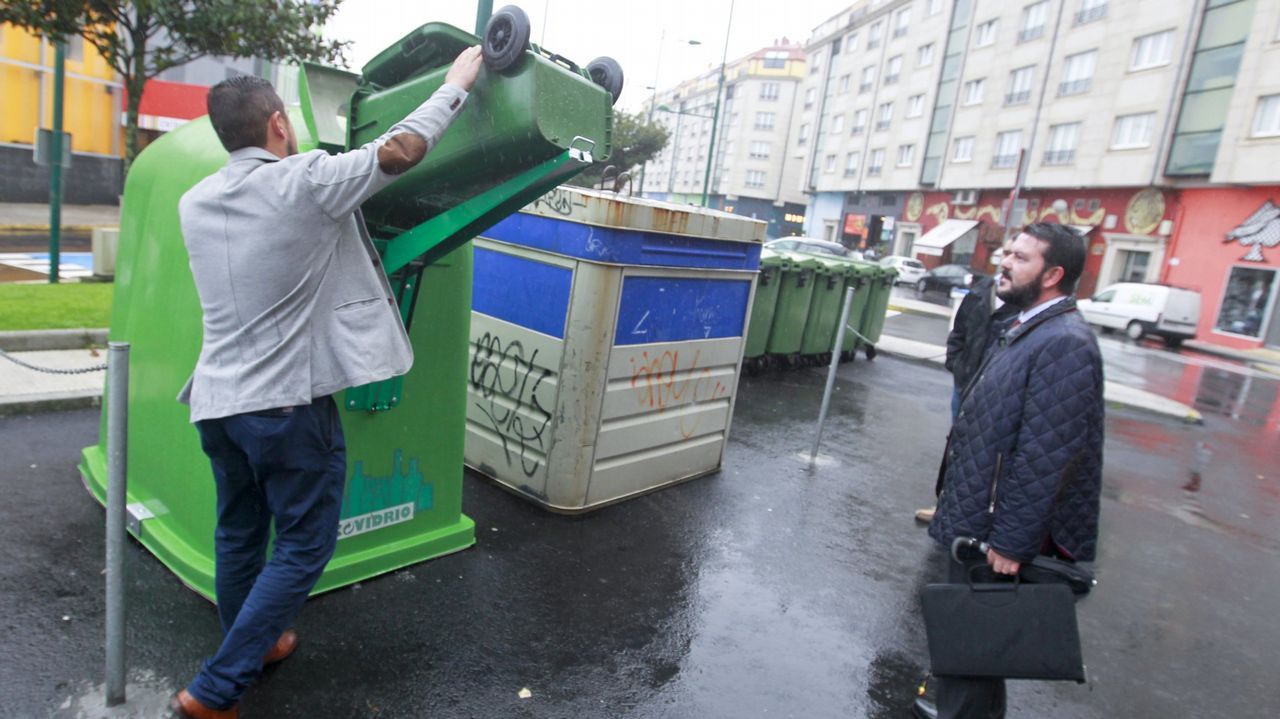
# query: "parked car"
813,246
1141,309
946,278
910,270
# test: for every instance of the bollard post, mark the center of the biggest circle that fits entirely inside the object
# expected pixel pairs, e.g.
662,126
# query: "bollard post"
831,372
117,453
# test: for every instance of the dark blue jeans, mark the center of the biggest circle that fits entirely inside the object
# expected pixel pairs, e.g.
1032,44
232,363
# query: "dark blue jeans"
286,465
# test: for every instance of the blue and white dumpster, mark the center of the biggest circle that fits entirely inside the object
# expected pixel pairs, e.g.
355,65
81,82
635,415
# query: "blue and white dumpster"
606,344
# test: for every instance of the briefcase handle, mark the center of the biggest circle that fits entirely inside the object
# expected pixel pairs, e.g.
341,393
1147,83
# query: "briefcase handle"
961,544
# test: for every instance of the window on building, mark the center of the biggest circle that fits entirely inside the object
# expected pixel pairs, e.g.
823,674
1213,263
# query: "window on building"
859,121
850,43
1020,85
874,33
845,82
1151,50
885,116
75,48
810,95
829,166
1266,119
924,55
1007,146
1091,10
755,178
893,70
974,90
759,150
876,162
851,162
770,90
902,22
962,149
935,6
764,120
1133,131
868,78
906,155
1245,300
837,124
804,134
1078,74
1062,144
915,106
986,34
776,59
1034,17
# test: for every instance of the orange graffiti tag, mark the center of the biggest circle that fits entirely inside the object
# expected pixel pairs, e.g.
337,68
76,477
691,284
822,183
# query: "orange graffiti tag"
658,384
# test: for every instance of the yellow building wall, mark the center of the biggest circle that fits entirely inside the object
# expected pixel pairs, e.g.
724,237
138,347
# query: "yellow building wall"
91,99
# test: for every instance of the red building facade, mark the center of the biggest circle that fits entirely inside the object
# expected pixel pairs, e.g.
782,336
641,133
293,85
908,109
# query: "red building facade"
1221,242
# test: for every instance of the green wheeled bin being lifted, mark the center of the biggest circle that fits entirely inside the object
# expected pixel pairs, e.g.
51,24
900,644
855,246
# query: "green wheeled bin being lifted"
532,120
773,267
792,313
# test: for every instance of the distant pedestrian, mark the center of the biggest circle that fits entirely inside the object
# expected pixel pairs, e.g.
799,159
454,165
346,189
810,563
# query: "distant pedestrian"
976,324
1024,463
296,307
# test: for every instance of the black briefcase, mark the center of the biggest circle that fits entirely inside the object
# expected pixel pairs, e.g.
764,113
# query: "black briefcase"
1007,629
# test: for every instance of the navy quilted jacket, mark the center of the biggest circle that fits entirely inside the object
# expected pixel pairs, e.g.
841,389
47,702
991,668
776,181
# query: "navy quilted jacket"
1024,462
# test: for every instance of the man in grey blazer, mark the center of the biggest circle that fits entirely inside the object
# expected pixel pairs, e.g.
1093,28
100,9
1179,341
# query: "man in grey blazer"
296,307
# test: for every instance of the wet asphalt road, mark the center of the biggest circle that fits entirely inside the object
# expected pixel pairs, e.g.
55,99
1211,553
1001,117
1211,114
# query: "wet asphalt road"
765,591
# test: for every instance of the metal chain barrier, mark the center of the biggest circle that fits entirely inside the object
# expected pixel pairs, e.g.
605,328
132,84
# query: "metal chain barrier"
51,370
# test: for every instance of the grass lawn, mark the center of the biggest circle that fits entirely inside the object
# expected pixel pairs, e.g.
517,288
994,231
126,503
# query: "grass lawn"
68,305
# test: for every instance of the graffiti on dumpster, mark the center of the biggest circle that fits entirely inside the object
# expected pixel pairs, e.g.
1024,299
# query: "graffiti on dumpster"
501,372
560,201
661,383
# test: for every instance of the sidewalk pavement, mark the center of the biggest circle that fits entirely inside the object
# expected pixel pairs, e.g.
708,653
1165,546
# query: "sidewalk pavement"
1259,359
24,390
34,216
1114,393
918,307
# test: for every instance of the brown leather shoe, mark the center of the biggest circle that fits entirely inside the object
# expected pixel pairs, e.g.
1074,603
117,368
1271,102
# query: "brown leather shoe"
283,648
185,706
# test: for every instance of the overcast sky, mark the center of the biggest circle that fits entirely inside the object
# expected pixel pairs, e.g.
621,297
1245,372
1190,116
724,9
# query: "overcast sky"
630,32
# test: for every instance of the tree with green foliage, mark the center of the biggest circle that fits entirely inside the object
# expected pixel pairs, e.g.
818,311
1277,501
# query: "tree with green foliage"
143,38
635,142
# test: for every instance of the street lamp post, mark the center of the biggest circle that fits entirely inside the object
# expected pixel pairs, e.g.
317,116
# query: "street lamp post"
653,98
675,148
715,115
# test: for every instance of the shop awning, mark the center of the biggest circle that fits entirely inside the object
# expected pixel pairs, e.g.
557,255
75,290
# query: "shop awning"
939,238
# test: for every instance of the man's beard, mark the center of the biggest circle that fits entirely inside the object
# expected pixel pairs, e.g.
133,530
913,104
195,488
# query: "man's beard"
1021,296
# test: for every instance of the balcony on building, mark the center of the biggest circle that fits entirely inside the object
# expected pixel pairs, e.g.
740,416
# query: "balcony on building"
873,171
890,79
864,88
1073,87
1000,161
1030,33
1088,15
1017,98
1058,157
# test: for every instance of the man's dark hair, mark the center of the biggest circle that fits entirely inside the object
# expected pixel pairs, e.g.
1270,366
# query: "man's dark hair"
239,108
1066,250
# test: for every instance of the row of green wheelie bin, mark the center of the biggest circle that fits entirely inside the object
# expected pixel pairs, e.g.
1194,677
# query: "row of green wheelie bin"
796,313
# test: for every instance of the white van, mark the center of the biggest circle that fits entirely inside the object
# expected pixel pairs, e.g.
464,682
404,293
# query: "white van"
1139,309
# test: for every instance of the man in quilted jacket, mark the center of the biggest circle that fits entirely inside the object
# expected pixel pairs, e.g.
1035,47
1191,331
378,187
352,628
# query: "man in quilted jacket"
1024,463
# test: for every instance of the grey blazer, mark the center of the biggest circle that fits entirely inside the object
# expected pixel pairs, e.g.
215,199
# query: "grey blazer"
296,303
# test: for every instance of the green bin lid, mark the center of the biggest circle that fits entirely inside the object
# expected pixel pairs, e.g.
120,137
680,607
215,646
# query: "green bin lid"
803,261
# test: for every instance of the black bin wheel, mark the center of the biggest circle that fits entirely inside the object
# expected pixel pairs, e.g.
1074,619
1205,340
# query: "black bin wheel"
506,37
870,352
607,73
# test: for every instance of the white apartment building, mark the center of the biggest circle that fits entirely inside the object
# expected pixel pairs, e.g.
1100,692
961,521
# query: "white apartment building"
749,174
1152,126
